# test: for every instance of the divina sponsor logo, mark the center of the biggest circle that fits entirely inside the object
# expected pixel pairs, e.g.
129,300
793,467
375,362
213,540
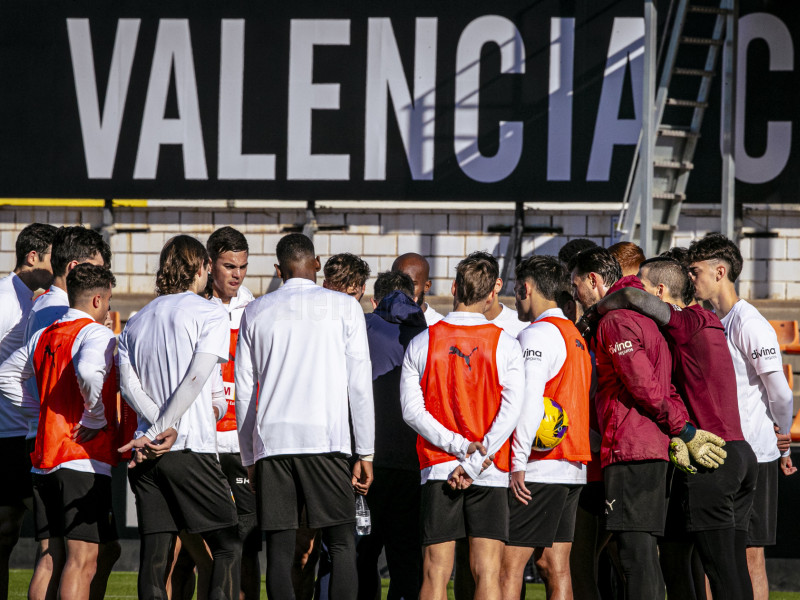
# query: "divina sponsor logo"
530,353
763,352
620,347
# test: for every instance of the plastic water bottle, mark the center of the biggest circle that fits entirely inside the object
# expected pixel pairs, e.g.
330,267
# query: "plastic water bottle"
363,521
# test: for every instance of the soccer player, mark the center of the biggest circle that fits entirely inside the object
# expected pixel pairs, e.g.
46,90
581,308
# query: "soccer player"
72,365
229,252
31,272
416,266
715,503
168,352
395,496
71,247
294,435
462,390
629,256
638,409
346,273
545,486
764,395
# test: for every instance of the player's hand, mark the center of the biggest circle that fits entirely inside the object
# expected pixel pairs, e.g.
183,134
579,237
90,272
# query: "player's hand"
473,446
787,467
216,413
679,456
784,439
517,485
108,321
706,450
162,443
459,480
251,476
487,462
136,447
362,476
82,434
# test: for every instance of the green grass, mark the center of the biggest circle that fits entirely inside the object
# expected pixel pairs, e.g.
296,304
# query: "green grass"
122,586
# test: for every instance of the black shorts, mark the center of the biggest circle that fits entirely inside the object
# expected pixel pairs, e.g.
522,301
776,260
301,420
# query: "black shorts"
320,482
182,490
764,516
636,496
73,505
245,499
15,471
548,518
592,498
447,515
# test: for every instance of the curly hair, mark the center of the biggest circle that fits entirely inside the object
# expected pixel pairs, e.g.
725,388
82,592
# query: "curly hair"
77,243
345,271
181,258
87,277
716,246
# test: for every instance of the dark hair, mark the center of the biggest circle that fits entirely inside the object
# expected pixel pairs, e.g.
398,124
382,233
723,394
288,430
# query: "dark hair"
682,256
628,255
181,258
344,271
672,274
226,239
573,247
547,273
85,278
476,276
77,243
390,281
597,260
294,247
36,236
716,246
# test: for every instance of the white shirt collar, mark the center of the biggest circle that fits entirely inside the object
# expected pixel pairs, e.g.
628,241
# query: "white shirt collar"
551,312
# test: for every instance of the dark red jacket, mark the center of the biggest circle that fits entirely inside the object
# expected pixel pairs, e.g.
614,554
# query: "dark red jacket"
637,406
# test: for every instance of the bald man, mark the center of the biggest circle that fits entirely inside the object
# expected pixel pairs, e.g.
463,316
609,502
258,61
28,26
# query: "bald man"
416,266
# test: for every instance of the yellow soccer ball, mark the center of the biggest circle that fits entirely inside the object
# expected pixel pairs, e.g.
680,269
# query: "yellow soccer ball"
553,427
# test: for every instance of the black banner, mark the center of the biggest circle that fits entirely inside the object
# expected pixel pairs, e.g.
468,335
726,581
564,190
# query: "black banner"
449,100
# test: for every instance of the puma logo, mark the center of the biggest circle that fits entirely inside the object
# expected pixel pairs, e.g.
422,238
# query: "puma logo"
457,352
51,354
610,505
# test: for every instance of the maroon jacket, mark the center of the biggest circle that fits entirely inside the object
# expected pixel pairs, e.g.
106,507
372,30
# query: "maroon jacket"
637,406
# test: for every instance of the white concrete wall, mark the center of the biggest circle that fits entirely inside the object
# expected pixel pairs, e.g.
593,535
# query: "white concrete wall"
378,232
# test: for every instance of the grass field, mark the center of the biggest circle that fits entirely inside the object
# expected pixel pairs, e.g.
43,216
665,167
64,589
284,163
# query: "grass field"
122,586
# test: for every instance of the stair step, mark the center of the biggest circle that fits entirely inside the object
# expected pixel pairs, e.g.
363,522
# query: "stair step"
686,103
681,132
664,227
673,164
695,72
698,41
669,196
710,10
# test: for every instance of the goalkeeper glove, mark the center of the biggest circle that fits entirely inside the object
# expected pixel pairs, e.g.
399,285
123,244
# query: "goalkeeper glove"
704,447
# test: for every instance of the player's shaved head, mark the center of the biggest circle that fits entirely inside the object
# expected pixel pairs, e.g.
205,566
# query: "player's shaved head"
415,266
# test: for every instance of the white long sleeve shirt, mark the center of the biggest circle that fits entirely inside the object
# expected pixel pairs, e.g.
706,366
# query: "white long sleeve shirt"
159,343
511,377
545,352
302,351
16,300
228,441
92,357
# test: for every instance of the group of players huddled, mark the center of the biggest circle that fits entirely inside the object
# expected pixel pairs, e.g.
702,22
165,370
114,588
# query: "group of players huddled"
248,419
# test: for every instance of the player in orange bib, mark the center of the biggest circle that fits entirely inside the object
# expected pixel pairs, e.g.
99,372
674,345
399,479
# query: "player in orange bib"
462,390
545,485
76,384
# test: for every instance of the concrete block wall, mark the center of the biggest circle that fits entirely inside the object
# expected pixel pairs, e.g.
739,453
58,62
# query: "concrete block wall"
378,232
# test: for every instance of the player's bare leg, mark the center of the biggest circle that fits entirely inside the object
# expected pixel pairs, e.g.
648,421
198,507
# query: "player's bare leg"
436,570
485,557
552,564
512,570
107,556
47,573
757,566
79,570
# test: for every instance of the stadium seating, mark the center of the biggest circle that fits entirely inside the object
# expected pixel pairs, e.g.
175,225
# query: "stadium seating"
788,336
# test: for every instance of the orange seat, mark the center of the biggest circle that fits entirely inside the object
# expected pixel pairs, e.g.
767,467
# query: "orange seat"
788,336
787,370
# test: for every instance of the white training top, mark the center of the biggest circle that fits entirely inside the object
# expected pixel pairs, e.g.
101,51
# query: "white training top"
510,375
16,299
755,350
48,308
92,357
159,342
509,321
228,441
431,315
306,348
545,352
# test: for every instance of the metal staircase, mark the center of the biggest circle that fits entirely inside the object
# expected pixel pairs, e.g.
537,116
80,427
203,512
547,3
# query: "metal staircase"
697,37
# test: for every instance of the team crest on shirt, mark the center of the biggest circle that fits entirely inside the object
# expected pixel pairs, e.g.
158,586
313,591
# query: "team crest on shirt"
455,350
